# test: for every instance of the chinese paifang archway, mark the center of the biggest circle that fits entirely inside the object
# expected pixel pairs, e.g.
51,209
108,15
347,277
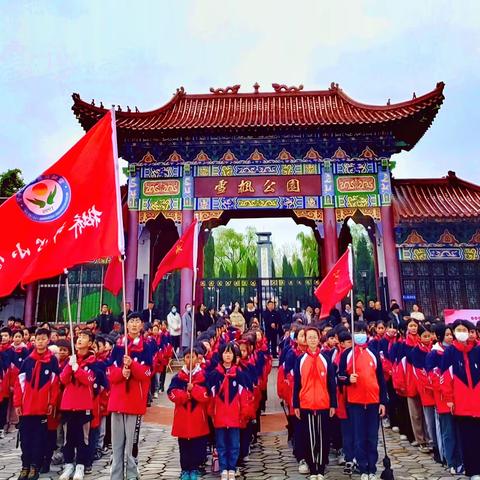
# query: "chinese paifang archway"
317,156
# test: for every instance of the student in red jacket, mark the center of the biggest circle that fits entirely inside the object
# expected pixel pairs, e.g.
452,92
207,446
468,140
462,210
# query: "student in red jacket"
35,397
448,434
229,407
460,387
78,378
6,354
360,370
129,376
190,419
314,401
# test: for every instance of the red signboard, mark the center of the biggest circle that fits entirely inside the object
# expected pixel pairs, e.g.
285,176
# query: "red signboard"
277,186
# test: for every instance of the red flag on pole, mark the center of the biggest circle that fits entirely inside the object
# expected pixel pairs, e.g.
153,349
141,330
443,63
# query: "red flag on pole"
182,255
70,214
337,283
113,276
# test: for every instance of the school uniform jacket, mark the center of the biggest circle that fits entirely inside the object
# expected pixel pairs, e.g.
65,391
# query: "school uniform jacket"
130,396
37,386
231,403
370,387
418,357
432,365
460,380
403,377
314,382
190,419
78,385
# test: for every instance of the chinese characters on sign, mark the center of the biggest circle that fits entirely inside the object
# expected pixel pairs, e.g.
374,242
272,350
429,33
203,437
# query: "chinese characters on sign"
258,186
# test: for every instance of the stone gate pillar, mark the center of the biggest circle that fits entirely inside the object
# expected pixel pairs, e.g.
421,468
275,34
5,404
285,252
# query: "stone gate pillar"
390,252
30,303
330,240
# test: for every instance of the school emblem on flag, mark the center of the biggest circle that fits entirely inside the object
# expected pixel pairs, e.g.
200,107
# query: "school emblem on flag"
46,198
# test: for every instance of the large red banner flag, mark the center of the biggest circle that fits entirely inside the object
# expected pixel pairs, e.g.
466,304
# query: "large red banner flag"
336,285
183,254
70,214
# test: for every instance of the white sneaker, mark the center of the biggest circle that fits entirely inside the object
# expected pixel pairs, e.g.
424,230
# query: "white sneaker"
155,395
320,477
372,476
386,422
341,459
224,475
246,459
475,477
79,472
231,475
364,476
403,437
313,477
2,433
414,444
67,471
303,467
395,429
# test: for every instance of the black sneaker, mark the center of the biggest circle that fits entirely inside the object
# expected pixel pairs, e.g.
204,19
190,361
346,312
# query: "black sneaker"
34,473
23,474
87,469
348,468
45,468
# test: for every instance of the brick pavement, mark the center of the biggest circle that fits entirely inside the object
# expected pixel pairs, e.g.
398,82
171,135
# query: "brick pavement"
271,459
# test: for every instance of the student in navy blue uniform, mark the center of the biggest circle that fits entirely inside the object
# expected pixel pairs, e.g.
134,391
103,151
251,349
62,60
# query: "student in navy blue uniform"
35,397
460,387
360,371
190,421
229,406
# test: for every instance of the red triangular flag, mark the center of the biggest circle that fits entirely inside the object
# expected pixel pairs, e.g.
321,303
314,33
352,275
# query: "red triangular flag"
70,214
182,255
113,276
336,285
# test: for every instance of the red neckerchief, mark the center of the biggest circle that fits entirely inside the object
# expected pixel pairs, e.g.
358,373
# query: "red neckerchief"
314,370
412,340
39,358
232,372
4,347
463,347
425,348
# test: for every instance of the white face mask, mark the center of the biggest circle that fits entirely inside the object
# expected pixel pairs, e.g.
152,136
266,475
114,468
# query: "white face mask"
189,309
461,336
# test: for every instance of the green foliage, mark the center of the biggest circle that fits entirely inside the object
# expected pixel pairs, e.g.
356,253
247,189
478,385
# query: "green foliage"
298,267
209,258
363,262
287,269
309,253
10,182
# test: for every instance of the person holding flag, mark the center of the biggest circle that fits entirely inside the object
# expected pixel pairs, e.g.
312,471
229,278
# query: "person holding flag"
129,376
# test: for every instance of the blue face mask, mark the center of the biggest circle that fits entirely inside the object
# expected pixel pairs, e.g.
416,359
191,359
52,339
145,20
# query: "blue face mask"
360,338
292,335
174,310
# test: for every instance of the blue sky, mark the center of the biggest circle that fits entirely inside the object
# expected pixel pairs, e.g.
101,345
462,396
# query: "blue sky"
138,53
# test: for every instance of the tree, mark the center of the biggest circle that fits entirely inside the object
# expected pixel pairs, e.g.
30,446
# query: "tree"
298,268
363,262
209,258
10,182
287,269
309,253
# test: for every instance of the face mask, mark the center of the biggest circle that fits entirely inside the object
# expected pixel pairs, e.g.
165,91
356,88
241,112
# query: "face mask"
360,338
174,310
292,335
461,336
189,309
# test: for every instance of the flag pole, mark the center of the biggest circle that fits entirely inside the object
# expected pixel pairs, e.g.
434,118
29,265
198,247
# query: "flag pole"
120,233
352,314
194,283
124,302
70,322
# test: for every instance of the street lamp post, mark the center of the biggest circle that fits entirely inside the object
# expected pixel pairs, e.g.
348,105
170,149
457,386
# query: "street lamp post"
363,274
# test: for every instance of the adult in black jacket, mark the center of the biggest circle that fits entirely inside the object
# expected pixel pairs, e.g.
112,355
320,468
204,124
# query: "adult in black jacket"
285,314
150,313
271,320
202,319
105,320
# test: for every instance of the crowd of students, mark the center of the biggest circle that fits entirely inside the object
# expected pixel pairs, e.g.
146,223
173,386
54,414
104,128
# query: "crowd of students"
421,377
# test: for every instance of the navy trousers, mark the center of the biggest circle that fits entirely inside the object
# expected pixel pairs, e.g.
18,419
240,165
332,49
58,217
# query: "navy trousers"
192,452
365,420
33,438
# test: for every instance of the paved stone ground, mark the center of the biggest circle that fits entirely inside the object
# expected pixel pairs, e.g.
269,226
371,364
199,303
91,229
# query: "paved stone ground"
271,459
